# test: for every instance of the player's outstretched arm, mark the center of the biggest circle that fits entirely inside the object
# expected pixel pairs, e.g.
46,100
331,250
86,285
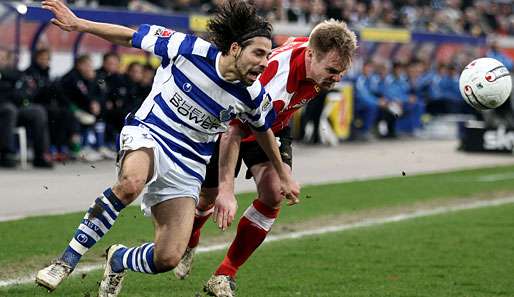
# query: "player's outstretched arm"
225,206
65,19
290,189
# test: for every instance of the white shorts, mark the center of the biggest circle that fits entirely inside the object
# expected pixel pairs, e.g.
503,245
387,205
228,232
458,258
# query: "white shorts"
169,180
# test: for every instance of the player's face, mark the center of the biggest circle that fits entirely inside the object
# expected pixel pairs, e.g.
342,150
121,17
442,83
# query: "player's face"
253,59
327,70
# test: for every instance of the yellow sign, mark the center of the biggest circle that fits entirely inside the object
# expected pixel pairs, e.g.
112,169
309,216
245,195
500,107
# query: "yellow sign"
198,23
126,59
341,115
385,35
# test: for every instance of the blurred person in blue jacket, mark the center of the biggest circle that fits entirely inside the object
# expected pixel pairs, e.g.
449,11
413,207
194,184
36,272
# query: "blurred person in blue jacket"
407,107
419,89
444,96
458,105
387,109
495,53
366,103
439,85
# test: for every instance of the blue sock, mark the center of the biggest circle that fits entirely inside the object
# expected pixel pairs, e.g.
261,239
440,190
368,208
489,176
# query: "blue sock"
139,259
96,223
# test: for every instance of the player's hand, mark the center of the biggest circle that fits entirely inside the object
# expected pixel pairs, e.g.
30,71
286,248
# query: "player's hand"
64,18
225,208
290,189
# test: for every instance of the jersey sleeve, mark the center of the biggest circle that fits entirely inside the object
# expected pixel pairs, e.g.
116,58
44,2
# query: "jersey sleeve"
261,115
162,42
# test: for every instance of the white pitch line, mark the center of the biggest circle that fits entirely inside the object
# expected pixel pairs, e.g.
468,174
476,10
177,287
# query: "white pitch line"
300,234
496,177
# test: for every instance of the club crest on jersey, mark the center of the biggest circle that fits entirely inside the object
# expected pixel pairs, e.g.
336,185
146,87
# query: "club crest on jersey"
226,115
162,32
266,104
187,87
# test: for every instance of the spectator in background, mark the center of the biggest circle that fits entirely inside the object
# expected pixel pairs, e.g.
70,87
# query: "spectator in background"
148,74
129,98
110,83
388,110
40,89
108,75
408,108
437,102
366,103
298,11
134,93
79,86
15,111
495,53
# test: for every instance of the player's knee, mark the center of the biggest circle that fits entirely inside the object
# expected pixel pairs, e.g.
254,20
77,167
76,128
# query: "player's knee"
129,187
271,198
167,261
269,193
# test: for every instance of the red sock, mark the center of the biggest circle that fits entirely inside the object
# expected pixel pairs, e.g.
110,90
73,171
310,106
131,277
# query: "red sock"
200,219
251,232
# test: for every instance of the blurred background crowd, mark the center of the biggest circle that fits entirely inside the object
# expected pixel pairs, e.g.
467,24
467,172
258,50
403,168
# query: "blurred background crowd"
475,17
77,116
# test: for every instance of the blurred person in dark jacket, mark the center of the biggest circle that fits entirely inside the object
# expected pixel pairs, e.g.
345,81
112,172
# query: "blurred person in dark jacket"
133,79
148,74
80,87
17,111
129,96
108,76
40,89
82,91
110,82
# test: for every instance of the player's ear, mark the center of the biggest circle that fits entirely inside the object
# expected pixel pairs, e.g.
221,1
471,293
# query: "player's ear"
309,52
235,49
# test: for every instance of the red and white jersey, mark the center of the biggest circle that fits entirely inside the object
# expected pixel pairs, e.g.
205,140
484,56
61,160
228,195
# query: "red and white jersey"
285,81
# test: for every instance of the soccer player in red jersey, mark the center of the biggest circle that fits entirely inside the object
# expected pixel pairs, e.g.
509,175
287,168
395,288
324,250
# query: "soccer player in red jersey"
296,73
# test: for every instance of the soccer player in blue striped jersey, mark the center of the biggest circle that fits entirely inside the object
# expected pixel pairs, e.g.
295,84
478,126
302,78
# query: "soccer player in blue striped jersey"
166,145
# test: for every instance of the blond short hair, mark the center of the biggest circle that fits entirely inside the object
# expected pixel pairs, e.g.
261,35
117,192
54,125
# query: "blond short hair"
333,35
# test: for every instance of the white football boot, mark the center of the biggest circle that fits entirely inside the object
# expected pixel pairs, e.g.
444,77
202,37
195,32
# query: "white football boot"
112,281
186,263
220,286
50,277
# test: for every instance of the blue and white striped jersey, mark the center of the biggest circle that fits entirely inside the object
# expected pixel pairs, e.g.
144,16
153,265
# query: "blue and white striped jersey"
191,103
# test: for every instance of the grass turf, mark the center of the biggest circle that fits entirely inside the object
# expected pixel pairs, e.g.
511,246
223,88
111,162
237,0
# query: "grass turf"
464,254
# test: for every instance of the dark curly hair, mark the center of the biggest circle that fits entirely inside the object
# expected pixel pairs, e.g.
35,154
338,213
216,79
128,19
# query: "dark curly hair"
236,21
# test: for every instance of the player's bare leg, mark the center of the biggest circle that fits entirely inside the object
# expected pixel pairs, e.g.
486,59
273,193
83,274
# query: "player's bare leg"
202,213
252,229
173,220
136,169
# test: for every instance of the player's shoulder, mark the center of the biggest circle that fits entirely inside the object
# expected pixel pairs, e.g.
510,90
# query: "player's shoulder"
194,46
255,90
